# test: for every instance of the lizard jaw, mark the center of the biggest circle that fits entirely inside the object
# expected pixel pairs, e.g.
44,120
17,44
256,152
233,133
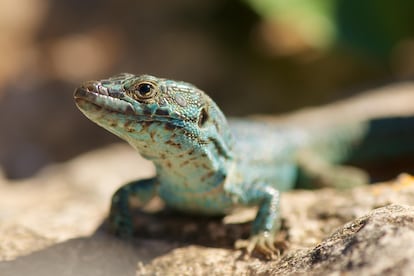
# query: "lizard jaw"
85,97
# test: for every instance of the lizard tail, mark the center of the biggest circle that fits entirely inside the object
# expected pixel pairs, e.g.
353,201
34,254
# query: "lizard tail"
386,149
384,138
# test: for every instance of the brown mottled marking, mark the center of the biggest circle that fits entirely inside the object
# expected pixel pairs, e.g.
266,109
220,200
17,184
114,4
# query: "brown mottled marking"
191,152
193,158
185,162
162,112
146,123
127,123
169,142
147,111
168,164
207,175
129,110
169,126
113,124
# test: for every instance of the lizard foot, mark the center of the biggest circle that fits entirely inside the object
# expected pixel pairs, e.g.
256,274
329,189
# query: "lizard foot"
264,243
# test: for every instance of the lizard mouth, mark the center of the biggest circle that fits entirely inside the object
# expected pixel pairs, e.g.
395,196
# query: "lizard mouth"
93,94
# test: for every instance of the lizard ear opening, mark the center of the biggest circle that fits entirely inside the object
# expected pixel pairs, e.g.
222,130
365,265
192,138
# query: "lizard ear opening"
203,117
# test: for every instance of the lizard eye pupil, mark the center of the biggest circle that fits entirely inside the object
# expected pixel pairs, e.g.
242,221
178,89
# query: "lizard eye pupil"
145,89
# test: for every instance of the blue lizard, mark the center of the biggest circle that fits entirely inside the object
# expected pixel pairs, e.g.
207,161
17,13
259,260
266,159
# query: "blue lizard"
205,165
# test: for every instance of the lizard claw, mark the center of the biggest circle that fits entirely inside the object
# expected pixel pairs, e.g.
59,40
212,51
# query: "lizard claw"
263,243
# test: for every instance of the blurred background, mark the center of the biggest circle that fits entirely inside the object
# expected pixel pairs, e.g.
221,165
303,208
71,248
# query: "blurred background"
251,56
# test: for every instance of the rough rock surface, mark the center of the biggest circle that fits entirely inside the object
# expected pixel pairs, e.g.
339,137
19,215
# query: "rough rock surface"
378,243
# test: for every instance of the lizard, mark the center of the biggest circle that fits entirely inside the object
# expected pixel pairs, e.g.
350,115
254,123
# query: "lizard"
208,165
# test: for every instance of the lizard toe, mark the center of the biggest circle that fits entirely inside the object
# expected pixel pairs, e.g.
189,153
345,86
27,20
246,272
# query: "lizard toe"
263,243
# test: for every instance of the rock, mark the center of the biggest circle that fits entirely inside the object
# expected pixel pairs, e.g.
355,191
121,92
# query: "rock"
63,201
379,243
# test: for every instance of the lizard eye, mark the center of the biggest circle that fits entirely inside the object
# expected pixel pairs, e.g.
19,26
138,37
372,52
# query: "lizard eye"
145,90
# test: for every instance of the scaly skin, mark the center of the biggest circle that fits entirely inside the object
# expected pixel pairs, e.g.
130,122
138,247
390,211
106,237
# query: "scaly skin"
200,167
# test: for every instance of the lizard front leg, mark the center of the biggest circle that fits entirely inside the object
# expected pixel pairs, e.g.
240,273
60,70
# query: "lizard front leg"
120,217
267,221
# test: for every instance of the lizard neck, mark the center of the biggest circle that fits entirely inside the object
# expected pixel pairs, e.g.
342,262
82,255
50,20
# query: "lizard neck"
190,167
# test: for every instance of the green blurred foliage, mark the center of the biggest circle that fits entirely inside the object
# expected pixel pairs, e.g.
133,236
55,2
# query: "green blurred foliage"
370,27
374,27
314,20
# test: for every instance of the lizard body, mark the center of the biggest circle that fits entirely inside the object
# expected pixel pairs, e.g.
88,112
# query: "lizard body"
206,165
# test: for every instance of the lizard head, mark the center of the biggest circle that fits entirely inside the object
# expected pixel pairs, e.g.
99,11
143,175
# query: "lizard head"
156,116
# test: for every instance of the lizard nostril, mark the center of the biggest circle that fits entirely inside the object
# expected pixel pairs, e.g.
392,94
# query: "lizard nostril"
90,87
